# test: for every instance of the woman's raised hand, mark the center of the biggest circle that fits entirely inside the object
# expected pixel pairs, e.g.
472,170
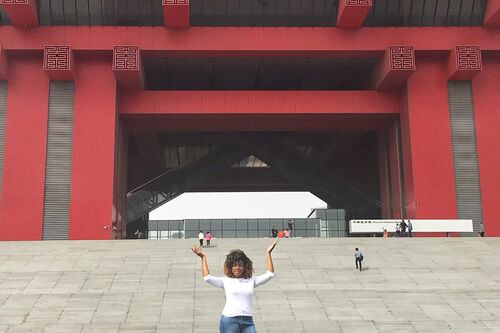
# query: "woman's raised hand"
197,250
271,247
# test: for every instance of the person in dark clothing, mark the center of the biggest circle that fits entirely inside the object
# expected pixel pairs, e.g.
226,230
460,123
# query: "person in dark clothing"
274,232
358,256
290,227
403,228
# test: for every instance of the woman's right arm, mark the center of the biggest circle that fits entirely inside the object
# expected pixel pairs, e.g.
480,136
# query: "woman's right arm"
203,257
214,281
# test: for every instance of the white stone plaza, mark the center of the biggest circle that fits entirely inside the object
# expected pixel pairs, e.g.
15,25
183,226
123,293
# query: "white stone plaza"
408,285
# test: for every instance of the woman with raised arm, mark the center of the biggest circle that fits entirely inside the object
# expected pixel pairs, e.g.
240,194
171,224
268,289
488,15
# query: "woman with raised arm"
238,285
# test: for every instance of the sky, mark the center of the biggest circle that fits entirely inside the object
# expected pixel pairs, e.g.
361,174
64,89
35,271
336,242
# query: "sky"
238,205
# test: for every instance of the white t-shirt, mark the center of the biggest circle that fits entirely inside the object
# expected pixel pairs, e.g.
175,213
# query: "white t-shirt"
201,235
239,292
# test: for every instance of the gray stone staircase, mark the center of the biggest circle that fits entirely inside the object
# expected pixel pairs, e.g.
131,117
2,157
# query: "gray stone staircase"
408,285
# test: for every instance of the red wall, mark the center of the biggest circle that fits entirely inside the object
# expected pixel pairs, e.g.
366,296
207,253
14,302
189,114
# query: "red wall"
91,202
254,41
21,206
259,102
485,95
426,138
427,152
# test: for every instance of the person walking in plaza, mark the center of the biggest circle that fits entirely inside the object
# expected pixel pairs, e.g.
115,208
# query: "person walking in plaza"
274,232
410,229
238,285
208,238
201,236
403,228
398,230
290,227
358,257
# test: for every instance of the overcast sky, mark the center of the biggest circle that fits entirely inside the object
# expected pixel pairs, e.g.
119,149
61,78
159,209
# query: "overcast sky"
238,205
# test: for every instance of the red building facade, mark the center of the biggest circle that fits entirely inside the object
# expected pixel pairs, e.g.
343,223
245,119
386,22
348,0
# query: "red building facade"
409,99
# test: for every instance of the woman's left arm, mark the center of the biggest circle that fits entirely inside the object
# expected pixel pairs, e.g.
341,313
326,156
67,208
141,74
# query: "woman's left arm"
270,266
264,278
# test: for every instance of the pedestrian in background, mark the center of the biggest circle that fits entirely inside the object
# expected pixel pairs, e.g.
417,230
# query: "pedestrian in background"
201,236
410,229
208,238
290,227
403,228
274,232
358,256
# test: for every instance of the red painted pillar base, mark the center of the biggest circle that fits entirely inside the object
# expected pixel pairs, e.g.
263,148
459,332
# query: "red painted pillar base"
485,89
92,178
21,205
426,139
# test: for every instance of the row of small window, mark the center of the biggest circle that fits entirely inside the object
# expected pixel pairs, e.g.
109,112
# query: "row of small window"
246,224
179,234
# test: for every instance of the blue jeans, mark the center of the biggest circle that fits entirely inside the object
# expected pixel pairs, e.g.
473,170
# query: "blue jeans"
238,324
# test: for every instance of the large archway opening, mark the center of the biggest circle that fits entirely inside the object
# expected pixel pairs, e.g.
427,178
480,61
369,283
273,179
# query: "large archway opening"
336,158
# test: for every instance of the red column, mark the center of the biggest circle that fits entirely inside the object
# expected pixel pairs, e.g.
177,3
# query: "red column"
426,138
91,202
395,171
383,171
485,89
21,207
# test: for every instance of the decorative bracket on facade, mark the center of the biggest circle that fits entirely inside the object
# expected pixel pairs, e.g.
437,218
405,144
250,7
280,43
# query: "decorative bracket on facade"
176,13
3,64
58,62
464,62
397,65
127,66
352,13
492,14
22,13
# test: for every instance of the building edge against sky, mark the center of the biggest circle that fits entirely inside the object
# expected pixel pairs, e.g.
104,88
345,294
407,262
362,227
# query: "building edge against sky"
107,113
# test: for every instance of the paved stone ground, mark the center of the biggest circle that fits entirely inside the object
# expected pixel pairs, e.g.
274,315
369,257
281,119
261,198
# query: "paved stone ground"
409,285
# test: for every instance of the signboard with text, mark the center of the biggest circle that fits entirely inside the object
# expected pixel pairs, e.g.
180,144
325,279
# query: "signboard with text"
378,226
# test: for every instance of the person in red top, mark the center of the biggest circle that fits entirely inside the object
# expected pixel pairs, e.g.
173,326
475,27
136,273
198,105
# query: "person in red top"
208,238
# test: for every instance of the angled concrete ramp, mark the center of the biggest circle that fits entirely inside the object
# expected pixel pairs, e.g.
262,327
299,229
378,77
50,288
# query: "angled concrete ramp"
409,285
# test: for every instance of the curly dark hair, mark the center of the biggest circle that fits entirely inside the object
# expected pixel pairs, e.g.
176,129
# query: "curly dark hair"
234,257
